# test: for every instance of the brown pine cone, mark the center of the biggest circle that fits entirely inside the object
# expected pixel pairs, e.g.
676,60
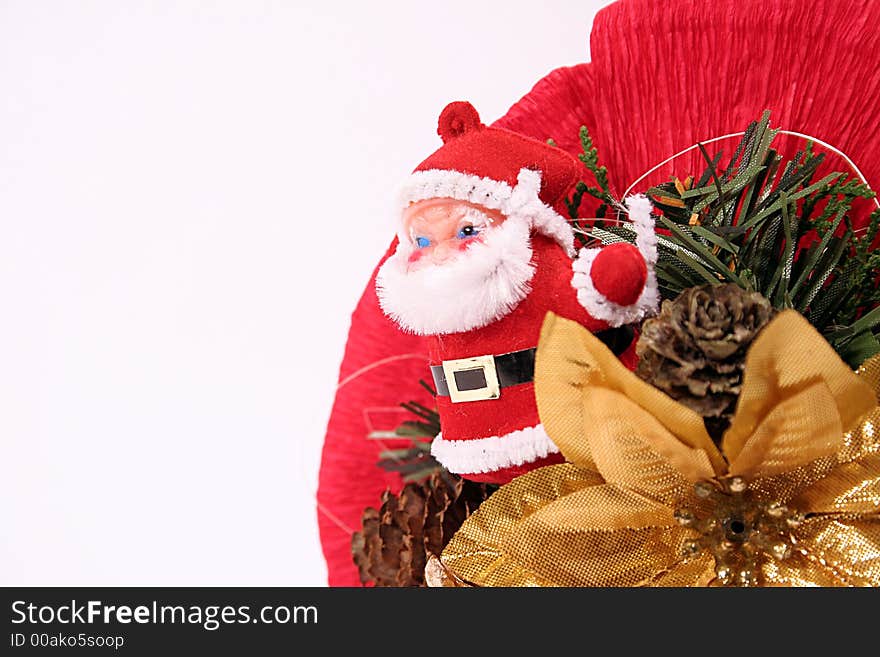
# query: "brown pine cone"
395,542
695,349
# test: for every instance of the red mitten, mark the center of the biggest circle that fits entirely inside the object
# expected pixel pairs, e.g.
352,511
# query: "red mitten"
616,284
619,273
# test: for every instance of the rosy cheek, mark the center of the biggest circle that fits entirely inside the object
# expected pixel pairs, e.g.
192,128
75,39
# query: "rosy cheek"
415,256
464,244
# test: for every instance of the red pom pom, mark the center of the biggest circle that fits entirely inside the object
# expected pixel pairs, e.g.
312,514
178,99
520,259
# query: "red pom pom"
456,119
619,273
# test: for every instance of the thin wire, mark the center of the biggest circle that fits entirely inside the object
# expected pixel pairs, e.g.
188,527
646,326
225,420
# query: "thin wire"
378,363
335,519
740,134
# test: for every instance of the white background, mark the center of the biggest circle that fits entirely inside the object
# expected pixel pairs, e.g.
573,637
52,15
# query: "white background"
192,196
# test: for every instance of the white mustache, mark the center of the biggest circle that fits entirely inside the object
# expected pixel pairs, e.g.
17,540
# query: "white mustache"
477,287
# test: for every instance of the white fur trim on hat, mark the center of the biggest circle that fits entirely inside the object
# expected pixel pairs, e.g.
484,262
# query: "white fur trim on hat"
597,304
494,453
521,201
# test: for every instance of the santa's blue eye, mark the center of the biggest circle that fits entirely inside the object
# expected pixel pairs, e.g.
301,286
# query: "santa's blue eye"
467,231
423,242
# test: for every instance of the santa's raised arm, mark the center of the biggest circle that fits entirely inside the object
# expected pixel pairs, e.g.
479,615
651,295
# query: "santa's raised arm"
482,257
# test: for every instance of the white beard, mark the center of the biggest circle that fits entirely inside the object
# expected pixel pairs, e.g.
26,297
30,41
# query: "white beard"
480,286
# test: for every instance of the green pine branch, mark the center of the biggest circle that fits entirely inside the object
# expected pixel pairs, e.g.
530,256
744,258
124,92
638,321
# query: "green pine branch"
769,226
590,157
414,462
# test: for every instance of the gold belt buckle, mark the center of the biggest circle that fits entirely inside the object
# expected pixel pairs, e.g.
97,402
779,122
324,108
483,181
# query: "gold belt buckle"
472,379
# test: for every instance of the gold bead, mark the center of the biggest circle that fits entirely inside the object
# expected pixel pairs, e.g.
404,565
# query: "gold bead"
745,577
780,550
737,484
704,489
794,520
684,517
776,509
723,573
690,548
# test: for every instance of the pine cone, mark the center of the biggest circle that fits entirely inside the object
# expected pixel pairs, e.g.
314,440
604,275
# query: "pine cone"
395,542
695,349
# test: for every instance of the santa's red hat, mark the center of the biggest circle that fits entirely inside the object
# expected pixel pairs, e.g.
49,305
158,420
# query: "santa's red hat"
521,177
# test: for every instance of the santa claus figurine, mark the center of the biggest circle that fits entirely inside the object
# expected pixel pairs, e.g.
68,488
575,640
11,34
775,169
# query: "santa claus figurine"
482,257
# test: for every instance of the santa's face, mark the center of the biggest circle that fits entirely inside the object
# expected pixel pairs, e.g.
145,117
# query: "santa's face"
441,229
458,266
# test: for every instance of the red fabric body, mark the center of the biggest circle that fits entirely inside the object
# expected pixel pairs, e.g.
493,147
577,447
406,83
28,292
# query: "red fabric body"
551,291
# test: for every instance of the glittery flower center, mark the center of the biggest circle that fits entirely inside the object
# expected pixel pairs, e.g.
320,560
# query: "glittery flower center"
738,530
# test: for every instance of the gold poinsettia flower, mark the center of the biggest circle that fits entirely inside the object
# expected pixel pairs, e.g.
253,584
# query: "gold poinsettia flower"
791,497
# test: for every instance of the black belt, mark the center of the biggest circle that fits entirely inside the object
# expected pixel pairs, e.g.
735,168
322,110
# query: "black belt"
482,377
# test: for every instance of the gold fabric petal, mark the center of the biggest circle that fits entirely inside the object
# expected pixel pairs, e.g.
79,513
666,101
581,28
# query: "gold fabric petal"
849,488
571,364
786,486
475,553
633,450
788,357
860,443
563,366
697,572
595,535
602,507
798,430
599,536
869,371
805,434
863,440
799,571
845,548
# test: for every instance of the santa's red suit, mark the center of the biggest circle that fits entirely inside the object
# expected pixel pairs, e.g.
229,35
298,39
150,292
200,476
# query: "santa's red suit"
483,315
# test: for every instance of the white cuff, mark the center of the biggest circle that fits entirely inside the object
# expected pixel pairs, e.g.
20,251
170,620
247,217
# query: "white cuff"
600,306
494,453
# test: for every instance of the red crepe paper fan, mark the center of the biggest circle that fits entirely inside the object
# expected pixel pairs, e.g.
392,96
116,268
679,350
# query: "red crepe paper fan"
663,76
380,369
